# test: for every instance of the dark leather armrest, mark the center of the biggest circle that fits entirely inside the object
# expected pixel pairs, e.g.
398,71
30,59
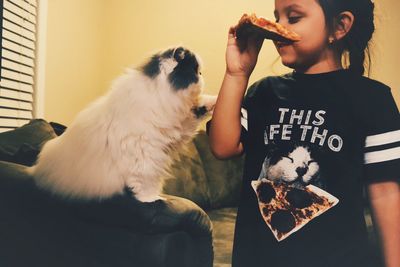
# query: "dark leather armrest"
171,232
162,216
182,214
173,215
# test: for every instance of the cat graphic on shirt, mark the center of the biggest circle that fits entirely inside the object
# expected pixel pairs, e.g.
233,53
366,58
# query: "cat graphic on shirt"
293,164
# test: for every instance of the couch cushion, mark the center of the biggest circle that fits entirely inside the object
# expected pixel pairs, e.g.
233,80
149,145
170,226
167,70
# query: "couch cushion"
223,176
188,179
23,144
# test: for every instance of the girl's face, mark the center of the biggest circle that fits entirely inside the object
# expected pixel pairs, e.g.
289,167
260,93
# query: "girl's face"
306,18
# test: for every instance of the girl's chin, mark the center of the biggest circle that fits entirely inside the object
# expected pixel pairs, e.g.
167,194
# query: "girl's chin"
289,63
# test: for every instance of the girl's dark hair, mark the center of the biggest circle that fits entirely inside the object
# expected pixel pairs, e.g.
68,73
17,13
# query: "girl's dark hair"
356,42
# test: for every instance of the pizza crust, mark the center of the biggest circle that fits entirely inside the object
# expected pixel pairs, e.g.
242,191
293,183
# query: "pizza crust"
268,29
286,209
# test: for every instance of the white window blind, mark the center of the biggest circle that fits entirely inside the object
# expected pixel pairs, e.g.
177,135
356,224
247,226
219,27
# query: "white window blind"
18,50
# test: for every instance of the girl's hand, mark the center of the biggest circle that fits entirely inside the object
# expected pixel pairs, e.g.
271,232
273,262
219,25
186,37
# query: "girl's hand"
242,54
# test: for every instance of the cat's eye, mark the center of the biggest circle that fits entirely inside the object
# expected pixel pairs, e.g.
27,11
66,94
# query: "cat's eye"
290,159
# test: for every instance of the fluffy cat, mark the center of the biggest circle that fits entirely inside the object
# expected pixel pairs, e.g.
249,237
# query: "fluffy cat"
125,138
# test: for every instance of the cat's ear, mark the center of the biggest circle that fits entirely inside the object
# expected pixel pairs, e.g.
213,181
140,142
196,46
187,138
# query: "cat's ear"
296,144
272,148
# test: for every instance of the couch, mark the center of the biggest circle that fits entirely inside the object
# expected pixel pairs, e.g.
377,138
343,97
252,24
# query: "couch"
192,227
212,184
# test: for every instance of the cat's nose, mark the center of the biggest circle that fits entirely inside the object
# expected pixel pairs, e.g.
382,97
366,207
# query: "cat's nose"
301,171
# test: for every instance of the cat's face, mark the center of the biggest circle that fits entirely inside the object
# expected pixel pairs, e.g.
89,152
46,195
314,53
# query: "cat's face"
177,71
180,67
293,165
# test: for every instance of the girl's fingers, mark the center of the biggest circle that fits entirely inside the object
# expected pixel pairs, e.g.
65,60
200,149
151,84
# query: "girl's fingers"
233,41
231,32
254,43
231,36
259,42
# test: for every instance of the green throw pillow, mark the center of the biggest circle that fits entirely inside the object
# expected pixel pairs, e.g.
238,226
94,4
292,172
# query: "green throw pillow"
23,144
224,176
188,179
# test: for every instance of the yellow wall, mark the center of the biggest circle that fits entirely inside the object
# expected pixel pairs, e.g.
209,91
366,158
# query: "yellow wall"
90,42
386,52
140,29
74,57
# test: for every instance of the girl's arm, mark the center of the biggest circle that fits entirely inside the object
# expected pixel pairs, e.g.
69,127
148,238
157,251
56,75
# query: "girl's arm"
385,200
225,128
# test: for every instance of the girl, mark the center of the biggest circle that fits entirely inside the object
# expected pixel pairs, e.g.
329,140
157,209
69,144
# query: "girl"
347,126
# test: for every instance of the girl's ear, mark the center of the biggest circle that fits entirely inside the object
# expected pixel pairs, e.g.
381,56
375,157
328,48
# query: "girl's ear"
343,24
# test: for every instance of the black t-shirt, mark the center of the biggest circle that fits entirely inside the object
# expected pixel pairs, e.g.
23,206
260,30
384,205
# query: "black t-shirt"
335,130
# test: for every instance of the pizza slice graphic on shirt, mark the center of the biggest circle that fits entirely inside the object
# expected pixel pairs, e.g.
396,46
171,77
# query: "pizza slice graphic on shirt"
286,208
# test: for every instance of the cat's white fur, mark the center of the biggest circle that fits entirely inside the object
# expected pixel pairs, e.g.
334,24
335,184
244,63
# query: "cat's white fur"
123,139
285,169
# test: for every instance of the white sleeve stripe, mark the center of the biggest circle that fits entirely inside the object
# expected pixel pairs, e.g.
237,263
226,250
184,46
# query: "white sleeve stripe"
381,156
243,119
382,139
244,113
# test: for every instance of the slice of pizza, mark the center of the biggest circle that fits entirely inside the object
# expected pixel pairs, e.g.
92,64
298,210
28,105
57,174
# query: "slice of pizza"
286,209
270,30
